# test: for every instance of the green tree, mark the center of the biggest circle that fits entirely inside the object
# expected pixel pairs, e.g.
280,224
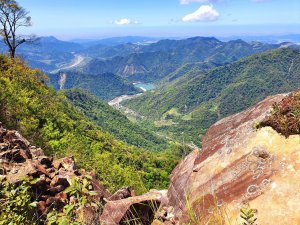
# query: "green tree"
13,17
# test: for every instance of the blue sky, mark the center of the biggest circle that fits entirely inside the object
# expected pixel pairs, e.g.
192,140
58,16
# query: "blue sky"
69,19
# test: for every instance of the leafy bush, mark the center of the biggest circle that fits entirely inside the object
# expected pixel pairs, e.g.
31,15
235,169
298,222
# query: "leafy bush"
285,117
248,216
17,204
82,194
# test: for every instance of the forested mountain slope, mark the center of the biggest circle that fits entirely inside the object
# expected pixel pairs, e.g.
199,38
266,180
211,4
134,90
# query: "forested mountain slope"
50,121
191,103
114,122
106,86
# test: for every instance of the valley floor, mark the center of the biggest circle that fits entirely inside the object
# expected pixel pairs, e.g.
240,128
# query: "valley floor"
78,60
117,101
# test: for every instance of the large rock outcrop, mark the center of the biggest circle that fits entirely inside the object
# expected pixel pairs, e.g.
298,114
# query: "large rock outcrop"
240,164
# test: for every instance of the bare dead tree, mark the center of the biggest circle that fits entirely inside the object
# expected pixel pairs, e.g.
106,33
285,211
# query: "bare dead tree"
13,17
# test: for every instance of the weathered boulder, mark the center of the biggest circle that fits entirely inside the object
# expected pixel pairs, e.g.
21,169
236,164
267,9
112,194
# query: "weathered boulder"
121,194
238,165
102,192
133,210
67,163
178,181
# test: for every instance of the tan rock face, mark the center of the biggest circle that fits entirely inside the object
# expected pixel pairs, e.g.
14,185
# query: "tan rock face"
239,165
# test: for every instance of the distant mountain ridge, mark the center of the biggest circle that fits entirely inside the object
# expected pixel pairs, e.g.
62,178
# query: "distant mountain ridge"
49,53
110,70
153,62
112,41
271,39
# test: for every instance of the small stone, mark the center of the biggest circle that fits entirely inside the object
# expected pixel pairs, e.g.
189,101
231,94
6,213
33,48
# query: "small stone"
41,169
52,175
59,180
43,177
54,202
68,163
14,171
36,152
62,196
41,206
3,146
40,187
47,161
121,194
50,170
54,190
56,164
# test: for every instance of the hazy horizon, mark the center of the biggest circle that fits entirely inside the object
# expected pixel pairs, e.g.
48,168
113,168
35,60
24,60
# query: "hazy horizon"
174,36
69,20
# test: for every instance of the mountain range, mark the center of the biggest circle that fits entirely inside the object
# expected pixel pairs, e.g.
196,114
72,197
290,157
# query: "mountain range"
119,62
159,62
153,62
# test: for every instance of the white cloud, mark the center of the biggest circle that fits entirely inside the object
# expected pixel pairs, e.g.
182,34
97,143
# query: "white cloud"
186,2
206,13
125,21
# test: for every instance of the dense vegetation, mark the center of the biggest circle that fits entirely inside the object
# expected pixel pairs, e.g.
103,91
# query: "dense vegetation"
114,122
20,205
186,107
106,86
285,116
50,121
17,204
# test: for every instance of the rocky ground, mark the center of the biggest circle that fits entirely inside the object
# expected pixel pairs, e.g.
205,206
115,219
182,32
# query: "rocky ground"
19,160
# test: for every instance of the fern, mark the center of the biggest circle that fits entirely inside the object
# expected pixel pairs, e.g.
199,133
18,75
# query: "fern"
249,216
